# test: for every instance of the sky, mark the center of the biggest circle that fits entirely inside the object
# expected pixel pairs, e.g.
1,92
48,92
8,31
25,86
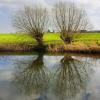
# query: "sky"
9,7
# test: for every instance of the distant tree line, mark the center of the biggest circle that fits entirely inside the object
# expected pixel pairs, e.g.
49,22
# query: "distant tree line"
93,31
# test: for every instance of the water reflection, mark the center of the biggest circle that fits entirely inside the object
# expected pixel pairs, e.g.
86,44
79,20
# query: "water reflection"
67,81
70,78
33,77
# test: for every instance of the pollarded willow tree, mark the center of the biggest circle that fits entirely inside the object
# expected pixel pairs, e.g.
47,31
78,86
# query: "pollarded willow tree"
32,20
69,19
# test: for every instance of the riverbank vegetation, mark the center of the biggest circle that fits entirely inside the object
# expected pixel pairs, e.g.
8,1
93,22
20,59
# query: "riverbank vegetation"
25,42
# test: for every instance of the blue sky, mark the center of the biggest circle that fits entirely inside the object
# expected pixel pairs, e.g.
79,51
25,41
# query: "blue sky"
9,7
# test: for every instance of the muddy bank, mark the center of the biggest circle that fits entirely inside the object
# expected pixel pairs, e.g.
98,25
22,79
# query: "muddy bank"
50,48
15,47
74,48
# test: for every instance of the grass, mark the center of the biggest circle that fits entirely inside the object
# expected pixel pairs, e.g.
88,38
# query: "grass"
89,36
25,38
48,38
16,38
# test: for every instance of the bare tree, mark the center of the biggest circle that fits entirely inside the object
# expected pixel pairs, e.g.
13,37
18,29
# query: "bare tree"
32,20
69,19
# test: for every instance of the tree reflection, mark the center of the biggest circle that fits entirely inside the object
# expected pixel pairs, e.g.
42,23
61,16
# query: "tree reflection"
32,78
70,77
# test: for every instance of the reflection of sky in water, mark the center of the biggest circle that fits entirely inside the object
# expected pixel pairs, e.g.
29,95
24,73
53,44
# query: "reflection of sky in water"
50,61
7,67
7,64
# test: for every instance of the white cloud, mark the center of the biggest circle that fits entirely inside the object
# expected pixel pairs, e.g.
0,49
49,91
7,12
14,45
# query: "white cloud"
92,7
93,10
17,4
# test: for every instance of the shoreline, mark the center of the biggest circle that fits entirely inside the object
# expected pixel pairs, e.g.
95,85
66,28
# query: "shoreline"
53,48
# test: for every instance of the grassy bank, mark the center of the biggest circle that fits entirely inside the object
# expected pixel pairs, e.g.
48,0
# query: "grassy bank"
24,42
48,38
25,38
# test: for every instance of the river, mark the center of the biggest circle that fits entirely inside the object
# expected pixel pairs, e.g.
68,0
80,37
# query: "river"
38,76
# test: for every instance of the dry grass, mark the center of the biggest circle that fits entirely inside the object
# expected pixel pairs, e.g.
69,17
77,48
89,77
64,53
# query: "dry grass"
75,47
16,47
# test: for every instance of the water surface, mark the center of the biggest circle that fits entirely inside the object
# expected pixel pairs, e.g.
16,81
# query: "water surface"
49,77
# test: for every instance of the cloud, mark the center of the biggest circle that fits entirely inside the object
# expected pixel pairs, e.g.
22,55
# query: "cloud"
17,4
8,7
93,7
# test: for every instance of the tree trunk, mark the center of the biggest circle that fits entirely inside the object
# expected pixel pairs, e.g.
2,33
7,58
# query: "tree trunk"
40,41
40,46
67,39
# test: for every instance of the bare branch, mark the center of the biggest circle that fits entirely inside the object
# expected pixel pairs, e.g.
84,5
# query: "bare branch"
32,20
69,19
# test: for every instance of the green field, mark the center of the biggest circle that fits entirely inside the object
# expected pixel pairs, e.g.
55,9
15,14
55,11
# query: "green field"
25,38
48,38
